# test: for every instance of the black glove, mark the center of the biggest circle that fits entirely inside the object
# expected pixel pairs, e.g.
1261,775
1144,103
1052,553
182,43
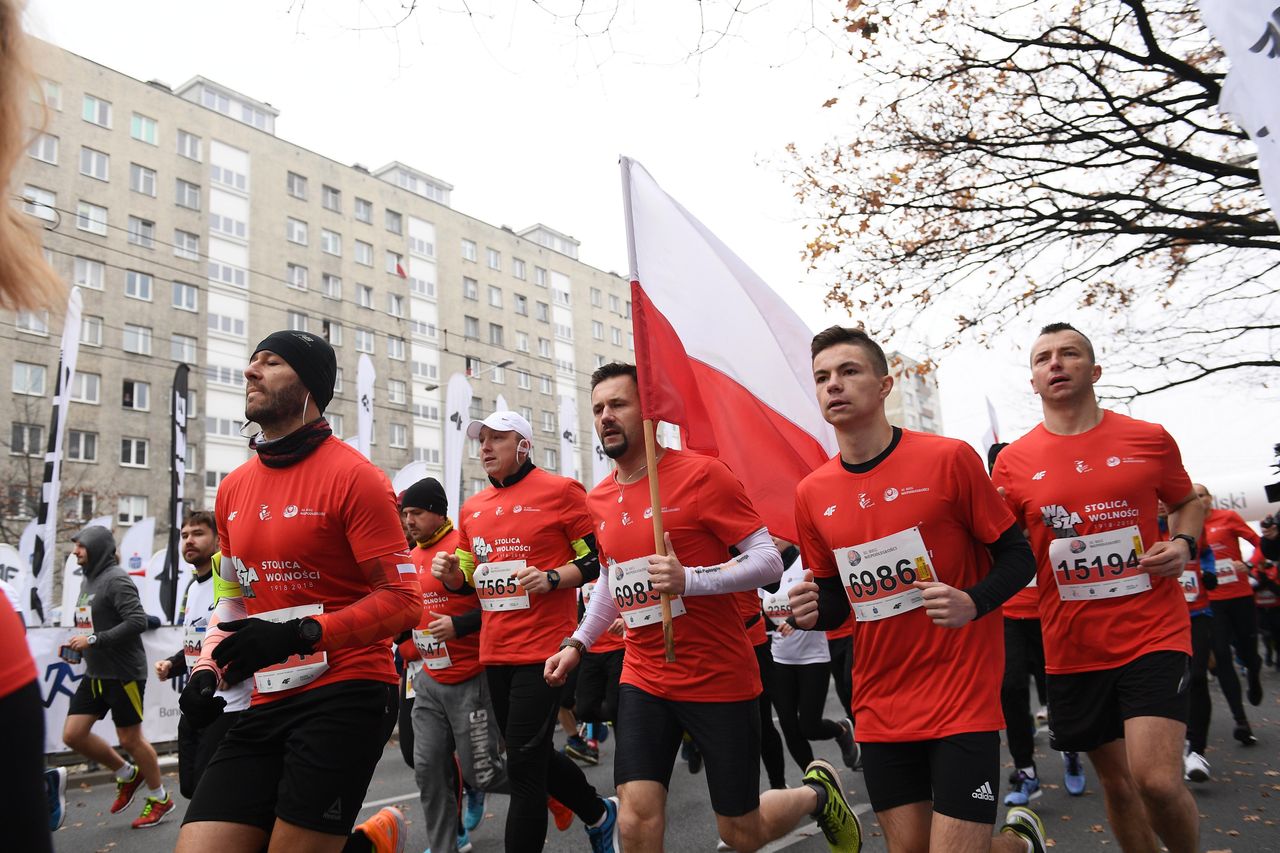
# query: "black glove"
254,644
197,701
1210,580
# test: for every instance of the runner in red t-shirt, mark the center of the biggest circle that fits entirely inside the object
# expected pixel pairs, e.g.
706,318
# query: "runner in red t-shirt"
1084,484
310,533
526,545
905,529
451,707
711,690
1235,617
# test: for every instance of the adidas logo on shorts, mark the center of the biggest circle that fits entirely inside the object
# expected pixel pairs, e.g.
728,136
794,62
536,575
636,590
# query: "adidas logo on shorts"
983,792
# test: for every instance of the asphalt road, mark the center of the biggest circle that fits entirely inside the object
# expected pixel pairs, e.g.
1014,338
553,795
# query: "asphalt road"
1239,806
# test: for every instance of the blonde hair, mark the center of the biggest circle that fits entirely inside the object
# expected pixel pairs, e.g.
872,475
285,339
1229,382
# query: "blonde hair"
26,280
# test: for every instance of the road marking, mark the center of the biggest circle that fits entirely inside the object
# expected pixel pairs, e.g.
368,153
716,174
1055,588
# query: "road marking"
389,801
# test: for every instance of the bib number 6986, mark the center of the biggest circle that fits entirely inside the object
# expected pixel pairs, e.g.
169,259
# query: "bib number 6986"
883,579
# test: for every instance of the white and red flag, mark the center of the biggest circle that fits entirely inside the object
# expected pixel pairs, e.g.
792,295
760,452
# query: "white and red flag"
720,354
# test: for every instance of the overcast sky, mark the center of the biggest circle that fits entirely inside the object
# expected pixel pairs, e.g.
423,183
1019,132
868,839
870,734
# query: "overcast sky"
526,117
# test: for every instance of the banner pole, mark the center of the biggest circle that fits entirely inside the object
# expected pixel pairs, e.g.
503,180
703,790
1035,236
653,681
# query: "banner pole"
659,540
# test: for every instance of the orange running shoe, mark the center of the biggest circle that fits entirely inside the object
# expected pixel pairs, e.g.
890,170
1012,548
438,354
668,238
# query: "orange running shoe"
153,811
561,812
386,830
126,790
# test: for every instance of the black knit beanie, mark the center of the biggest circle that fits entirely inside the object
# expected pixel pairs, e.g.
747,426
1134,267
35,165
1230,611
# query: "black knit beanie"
426,494
310,357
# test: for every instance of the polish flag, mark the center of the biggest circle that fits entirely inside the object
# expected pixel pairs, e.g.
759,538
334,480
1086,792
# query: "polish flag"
400,271
720,353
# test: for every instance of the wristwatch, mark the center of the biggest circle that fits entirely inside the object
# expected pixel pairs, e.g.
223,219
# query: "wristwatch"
573,642
553,578
309,632
92,640
1193,548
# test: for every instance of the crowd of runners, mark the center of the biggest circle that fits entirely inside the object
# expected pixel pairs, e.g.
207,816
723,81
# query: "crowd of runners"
325,610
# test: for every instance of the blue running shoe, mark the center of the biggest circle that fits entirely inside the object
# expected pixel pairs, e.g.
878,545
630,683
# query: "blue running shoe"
464,842
604,838
55,780
473,813
1073,773
1025,789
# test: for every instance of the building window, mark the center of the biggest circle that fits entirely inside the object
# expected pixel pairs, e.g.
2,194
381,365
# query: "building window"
540,276
499,375
295,230
89,273
330,286
395,222
398,436
518,268
495,334
364,253
90,330
364,211
143,129
597,298
233,326
495,296
395,304
521,304
542,311
395,347
364,341
44,148
395,263
471,328
227,274
40,203
297,321
597,330
337,382
130,509
494,258
137,285
331,330
544,347
136,339
296,276
469,250
142,232
94,164
187,195
186,296
182,348
228,227
26,440
142,180
133,452
395,391
364,296
189,145
82,446
335,423
186,245
136,395
615,334
548,421
552,459
229,178
296,185
330,242
28,379
86,388
330,198
544,384
91,218
522,341
97,111
470,289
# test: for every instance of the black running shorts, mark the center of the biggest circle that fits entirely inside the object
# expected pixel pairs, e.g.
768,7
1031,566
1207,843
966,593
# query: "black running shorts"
97,696
1088,709
958,774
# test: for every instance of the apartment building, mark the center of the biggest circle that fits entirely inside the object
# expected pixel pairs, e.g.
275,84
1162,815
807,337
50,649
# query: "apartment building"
914,402
194,231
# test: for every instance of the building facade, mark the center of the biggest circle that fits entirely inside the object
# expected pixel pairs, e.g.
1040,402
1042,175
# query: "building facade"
193,232
914,402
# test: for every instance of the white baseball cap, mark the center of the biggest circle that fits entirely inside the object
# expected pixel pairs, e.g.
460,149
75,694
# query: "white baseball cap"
502,422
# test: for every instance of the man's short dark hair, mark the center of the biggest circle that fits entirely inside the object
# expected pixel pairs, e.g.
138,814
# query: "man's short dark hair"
836,335
612,369
1054,328
200,516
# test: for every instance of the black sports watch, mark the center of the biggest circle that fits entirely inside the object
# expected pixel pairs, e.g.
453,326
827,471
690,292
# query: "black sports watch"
309,632
553,578
1193,547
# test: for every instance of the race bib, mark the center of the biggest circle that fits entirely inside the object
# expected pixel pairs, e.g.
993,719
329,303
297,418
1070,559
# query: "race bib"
878,575
297,670
1226,569
1100,565
635,596
497,587
435,654
84,618
1190,581
192,640
777,606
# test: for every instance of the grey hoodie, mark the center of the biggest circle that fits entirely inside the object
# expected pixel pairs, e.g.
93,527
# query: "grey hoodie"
118,617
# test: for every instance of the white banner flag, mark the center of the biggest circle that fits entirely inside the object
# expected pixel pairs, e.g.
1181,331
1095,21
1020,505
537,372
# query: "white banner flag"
500,404
407,476
568,437
136,546
456,404
365,377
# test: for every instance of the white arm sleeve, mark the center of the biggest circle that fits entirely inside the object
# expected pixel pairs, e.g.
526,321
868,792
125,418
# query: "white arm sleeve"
758,564
601,613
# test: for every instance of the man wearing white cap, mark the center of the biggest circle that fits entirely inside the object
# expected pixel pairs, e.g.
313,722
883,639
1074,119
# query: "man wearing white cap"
527,543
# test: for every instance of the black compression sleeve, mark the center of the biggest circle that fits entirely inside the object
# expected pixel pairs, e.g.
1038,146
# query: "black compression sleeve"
177,664
467,623
1271,548
1013,567
589,564
833,604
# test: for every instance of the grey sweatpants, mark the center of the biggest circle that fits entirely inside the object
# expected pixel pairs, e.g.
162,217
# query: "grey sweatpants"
449,718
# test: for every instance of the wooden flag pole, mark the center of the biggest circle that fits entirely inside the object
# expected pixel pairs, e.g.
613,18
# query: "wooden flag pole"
659,540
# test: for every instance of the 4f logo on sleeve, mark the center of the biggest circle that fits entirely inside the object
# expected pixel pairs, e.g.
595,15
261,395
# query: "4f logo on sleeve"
1057,517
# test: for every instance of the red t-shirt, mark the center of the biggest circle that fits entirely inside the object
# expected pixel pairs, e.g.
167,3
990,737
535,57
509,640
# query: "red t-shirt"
463,652
536,519
1223,529
706,511
300,533
1107,478
913,680
17,669
1265,597
1025,604
845,630
608,641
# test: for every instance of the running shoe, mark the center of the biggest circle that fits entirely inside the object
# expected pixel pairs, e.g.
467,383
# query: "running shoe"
563,816
153,811
1195,768
1025,789
126,790
1026,824
1254,677
849,751
464,842
689,752
55,779
582,750
604,838
1073,773
474,811
600,731
1244,734
1042,716
385,830
836,820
